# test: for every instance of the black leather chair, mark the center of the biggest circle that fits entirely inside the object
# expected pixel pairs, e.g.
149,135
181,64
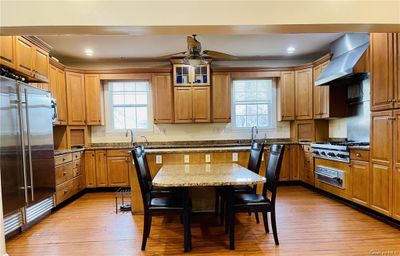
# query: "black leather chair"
251,202
160,206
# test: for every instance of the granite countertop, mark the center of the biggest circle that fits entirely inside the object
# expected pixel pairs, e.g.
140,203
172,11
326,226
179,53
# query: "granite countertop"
191,175
359,147
66,151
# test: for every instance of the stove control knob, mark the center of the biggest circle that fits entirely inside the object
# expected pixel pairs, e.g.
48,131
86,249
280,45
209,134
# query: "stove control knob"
341,156
331,154
316,153
323,153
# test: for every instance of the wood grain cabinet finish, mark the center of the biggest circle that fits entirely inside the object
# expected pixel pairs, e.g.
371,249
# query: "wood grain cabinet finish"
24,56
221,98
75,98
396,166
201,104
90,168
118,171
101,168
163,99
40,63
286,164
294,168
397,71
382,71
304,94
7,51
93,104
381,161
286,96
59,92
183,107
361,181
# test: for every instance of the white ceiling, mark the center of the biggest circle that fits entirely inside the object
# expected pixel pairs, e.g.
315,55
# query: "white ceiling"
70,48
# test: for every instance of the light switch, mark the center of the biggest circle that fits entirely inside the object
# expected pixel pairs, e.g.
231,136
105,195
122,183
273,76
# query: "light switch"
186,159
234,157
208,158
158,159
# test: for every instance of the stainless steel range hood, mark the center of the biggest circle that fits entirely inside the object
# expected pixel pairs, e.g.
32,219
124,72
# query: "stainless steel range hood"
346,51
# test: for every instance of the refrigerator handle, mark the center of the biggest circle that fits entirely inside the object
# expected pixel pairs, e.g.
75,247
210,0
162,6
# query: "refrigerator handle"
28,135
21,124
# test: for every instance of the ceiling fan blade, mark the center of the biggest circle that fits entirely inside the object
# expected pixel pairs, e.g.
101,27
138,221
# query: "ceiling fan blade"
220,55
174,55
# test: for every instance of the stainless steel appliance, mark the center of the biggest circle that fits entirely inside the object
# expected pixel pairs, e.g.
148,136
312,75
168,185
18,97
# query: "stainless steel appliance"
335,151
26,153
331,176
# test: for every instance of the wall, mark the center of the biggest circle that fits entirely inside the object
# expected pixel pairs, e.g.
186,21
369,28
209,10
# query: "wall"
338,128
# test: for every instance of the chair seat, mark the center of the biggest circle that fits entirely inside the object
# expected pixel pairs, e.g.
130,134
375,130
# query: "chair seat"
242,189
162,191
251,199
171,203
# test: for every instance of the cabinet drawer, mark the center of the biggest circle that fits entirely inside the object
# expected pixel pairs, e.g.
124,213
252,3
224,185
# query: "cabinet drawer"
64,191
76,172
76,164
308,161
309,176
118,152
76,155
307,148
61,159
63,173
358,154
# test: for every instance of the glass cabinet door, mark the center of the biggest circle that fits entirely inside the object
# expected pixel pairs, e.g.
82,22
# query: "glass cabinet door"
186,75
181,75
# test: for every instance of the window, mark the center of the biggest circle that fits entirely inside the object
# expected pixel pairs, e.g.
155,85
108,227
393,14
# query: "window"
253,103
129,104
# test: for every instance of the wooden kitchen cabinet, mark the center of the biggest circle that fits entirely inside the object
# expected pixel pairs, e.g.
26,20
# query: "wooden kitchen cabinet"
101,168
221,98
310,130
92,99
24,56
286,96
40,63
187,75
7,51
90,168
381,158
382,71
201,104
183,107
304,94
294,168
397,71
163,99
396,166
360,182
59,92
75,98
118,171
286,163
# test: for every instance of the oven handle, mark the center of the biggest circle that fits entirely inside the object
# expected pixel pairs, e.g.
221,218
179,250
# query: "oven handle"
326,175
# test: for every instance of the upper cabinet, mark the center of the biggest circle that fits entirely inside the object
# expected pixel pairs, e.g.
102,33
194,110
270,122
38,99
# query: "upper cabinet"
201,104
183,107
7,51
186,75
383,70
92,98
59,92
221,98
40,64
286,92
304,94
76,98
163,99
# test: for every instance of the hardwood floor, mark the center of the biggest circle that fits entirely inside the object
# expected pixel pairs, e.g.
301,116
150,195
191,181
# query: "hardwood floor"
308,224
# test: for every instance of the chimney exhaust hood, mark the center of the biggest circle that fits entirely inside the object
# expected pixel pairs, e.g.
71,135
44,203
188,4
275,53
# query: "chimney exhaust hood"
346,51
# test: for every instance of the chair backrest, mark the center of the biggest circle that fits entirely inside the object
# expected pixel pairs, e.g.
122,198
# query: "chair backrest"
273,171
256,152
142,172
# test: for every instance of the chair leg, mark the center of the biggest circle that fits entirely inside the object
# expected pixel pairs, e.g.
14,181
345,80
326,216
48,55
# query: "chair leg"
257,218
274,230
186,232
222,211
145,230
265,220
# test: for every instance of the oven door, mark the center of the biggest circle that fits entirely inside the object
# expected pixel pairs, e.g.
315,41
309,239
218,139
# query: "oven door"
330,176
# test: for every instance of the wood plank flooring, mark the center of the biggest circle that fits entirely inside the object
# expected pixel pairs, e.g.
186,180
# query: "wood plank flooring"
308,224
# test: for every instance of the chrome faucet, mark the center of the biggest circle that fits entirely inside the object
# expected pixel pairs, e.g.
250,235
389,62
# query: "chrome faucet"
145,138
253,136
130,132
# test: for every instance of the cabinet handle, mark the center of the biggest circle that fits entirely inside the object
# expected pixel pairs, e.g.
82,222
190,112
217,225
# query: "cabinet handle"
64,159
64,173
358,155
391,118
66,191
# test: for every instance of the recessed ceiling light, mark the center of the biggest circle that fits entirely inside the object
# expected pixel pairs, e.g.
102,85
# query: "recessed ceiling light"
88,52
290,49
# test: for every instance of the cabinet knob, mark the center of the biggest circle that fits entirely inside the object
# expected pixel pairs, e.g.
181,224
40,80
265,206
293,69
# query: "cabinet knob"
358,155
66,191
64,173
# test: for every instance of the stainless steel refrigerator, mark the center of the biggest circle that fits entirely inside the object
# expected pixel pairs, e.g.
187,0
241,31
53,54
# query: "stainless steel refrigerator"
26,153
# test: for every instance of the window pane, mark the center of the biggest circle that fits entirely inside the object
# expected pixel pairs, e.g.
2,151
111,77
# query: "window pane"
118,118
251,109
130,117
263,121
240,110
117,87
251,95
251,121
262,109
141,98
240,96
142,117
129,87
118,99
130,98
142,86
241,121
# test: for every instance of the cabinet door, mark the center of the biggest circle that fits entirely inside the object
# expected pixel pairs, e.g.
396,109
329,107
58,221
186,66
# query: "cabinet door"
76,99
92,92
7,51
162,99
24,55
381,161
221,98
397,71
360,182
396,166
304,94
101,168
381,71
90,168
201,104
287,96
118,171
61,97
321,95
294,167
40,63
285,168
183,105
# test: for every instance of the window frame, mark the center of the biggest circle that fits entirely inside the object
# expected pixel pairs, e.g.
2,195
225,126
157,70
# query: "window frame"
108,106
273,110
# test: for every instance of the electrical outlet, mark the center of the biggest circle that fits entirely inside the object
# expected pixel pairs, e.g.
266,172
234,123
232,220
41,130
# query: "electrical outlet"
208,168
158,159
208,158
186,159
235,157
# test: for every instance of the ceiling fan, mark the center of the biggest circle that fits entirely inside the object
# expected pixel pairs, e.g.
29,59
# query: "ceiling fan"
194,56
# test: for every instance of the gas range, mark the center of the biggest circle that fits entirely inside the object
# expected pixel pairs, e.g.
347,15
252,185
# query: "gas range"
335,151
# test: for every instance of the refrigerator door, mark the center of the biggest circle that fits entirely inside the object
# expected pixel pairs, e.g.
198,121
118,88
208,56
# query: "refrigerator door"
11,159
39,149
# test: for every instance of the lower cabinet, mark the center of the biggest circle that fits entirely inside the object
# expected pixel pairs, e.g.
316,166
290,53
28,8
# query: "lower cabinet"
306,165
360,178
285,167
101,168
118,171
90,168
